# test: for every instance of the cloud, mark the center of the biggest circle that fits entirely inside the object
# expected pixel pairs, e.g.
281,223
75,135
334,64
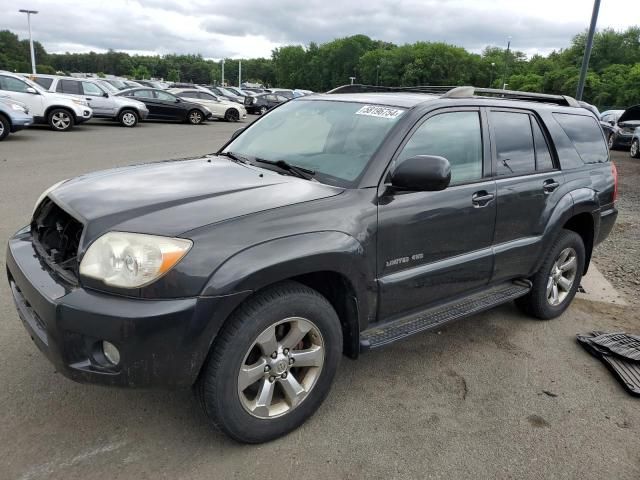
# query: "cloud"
216,28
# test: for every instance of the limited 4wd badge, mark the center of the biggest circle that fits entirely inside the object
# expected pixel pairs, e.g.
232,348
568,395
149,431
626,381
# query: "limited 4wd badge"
401,260
378,111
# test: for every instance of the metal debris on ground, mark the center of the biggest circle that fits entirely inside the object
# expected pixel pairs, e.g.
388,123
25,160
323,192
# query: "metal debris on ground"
620,352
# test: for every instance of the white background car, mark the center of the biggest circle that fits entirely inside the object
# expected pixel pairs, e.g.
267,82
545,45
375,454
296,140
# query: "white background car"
220,107
61,112
105,104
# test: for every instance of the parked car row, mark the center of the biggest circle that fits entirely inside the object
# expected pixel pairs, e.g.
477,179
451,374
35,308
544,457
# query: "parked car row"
63,102
621,128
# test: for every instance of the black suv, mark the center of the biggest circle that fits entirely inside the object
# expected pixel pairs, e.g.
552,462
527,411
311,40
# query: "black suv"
335,224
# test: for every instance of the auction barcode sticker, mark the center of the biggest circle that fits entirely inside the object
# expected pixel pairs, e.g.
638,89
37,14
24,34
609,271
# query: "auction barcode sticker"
378,111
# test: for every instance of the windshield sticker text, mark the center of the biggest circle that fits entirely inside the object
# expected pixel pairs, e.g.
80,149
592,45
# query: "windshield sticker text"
380,112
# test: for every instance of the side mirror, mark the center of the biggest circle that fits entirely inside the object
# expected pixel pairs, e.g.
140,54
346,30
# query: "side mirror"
426,173
31,90
178,100
105,94
612,122
237,132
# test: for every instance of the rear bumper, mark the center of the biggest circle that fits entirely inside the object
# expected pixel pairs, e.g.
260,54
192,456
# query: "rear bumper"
161,342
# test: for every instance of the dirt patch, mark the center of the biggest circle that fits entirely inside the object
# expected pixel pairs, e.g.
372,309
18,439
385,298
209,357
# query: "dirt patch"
618,257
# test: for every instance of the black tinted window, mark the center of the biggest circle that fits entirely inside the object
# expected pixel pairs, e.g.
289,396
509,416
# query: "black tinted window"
43,82
543,155
586,136
455,136
514,143
71,87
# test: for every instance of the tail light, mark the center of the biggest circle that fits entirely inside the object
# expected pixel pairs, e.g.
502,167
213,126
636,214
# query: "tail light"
614,171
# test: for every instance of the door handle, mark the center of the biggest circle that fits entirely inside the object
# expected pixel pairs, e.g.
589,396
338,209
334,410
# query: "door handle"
549,185
89,99
482,198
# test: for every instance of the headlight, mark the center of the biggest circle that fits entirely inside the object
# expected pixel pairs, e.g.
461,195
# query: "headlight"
45,193
132,260
19,108
84,103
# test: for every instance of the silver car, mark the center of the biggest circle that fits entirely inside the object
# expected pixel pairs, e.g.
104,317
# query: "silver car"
127,111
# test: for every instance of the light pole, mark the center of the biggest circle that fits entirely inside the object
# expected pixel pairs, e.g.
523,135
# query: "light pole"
352,79
377,75
239,73
587,50
493,65
506,63
33,56
222,82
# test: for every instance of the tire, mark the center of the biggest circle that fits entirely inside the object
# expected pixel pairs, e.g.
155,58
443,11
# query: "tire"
611,141
60,120
635,149
263,110
5,127
540,301
128,118
288,305
195,117
232,115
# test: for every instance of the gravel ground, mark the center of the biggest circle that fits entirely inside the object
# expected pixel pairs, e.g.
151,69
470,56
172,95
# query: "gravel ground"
618,257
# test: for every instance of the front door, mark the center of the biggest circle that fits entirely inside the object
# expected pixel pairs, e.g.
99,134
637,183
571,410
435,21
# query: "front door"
529,186
169,106
437,245
103,106
18,90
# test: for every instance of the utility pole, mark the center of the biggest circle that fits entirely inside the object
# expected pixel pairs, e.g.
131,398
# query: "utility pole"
506,64
493,65
587,50
377,75
33,56
239,73
222,82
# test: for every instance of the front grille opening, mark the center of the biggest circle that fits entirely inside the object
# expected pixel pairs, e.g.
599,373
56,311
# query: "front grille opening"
56,237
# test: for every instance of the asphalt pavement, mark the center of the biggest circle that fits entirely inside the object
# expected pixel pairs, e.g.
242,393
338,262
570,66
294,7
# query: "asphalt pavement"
498,395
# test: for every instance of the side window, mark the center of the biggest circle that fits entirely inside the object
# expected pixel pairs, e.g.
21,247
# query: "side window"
11,84
165,96
91,89
71,87
142,93
207,96
586,135
543,155
455,136
188,94
514,143
43,82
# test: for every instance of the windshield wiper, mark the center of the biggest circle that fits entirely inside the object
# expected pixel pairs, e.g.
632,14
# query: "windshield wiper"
284,165
235,157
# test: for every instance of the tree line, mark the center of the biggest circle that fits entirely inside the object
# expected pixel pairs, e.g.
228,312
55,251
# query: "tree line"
613,79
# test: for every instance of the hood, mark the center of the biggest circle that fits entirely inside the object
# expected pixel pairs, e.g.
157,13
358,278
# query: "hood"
631,114
174,197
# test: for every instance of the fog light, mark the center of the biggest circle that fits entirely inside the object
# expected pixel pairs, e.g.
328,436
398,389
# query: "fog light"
111,352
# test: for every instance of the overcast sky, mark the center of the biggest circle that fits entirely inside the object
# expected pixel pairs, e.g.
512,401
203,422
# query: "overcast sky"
252,28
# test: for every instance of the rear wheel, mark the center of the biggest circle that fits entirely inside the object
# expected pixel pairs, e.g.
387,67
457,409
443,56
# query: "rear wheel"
195,117
635,149
272,364
232,115
4,127
558,279
611,141
128,118
60,120
263,110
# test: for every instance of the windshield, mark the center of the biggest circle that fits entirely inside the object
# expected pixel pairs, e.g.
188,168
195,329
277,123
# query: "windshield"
33,84
117,83
107,86
334,139
227,92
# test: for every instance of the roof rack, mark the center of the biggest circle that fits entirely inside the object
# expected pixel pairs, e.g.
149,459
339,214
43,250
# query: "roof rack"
462,92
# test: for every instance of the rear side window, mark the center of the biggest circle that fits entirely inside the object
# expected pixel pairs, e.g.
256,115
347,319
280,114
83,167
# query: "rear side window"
141,93
455,136
543,155
515,153
43,82
71,87
586,136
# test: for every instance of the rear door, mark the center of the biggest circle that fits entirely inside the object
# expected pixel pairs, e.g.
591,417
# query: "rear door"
155,108
529,187
169,106
433,246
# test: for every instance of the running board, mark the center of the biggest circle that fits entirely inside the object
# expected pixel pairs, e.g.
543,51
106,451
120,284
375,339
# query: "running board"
404,327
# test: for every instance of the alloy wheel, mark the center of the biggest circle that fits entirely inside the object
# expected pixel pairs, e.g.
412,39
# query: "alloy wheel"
635,147
128,119
1,129
263,110
195,117
61,120
281,368
610,141
562,276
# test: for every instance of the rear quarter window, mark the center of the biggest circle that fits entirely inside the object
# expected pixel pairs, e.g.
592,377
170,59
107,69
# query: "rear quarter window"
586,135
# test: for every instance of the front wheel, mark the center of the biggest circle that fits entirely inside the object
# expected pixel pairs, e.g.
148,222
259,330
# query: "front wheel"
232,115
128,118
263,110
60,120
611,141
635,149
4,127
272,364
195,117
558,279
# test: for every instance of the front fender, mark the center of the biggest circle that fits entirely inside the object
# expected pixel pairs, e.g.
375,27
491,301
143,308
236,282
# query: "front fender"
264,264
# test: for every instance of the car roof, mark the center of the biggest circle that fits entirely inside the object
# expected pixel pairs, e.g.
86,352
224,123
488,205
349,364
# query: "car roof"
405,100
